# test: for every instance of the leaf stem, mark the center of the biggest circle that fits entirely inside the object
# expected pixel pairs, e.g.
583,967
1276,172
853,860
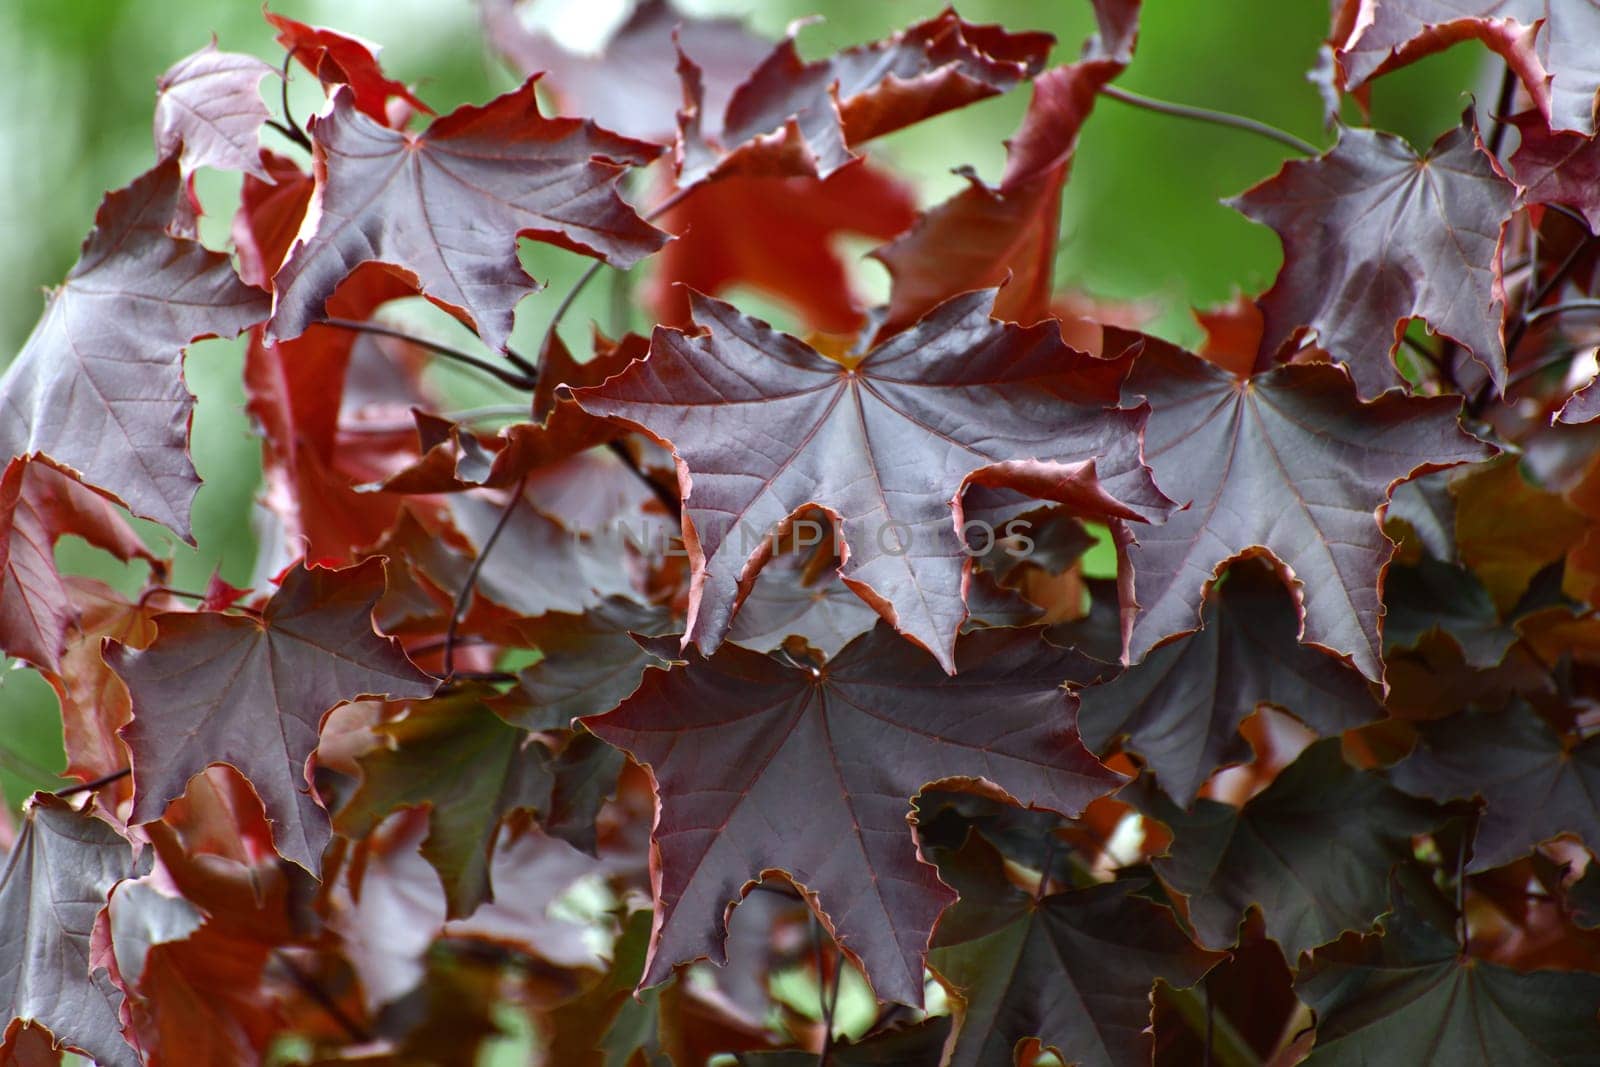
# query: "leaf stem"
1502,108
95,783
1218,118
525,381
1461,893
594,268
289,127
464,596
668,499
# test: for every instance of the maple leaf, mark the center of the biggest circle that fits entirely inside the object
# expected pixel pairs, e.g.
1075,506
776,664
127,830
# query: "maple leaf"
777,235
339,59
1442,597
762,425
194,982
919,1045
269,216
984,235
1073,970
56,884
729,740
94,702
296,391
1554,167
209,112
1494,538
98,387
631,85
487,175
1252,455
1548,43
1412,996
1312,851
252,693
422,766
1373,235
1181,708
793,118
590,662
1506,757
38,506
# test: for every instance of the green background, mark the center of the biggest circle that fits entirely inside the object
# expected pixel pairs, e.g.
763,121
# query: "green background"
1142,218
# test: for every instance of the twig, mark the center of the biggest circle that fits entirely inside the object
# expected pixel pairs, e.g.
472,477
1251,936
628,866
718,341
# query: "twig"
516,381
668,499
1461,893
1549,310
1211,1020
826,1002
1041,890
1219,118
1551,284
464,595
313,989
594,268
1502,108
95,783
292,130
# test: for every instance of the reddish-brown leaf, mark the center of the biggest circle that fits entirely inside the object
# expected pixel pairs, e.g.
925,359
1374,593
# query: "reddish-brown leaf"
791,117
1290,462
778,235
733,741
94,702
269,216
209,112
762,425
631,86
38,506
986,234
99,385
339,59
1548,43
56,884
1556,167
1181,708
252,693
1374,235
487,175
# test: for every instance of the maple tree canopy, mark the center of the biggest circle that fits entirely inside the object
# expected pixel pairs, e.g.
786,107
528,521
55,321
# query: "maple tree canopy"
948,666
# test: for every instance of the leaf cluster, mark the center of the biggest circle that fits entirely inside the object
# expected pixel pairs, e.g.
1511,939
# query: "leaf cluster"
746,694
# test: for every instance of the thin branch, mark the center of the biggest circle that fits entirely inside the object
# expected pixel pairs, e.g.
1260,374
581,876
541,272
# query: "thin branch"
1218,118
826,1002
1042,889
464,596
516,381
594,268
1549,310
1502,108
1461,893
668,499
1551,284
292,130
1211,1021
95,783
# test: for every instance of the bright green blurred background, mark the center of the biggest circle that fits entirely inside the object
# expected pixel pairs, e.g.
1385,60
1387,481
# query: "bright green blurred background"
1142,218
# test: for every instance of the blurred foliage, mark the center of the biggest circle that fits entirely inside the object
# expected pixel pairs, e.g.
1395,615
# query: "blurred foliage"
1142,217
